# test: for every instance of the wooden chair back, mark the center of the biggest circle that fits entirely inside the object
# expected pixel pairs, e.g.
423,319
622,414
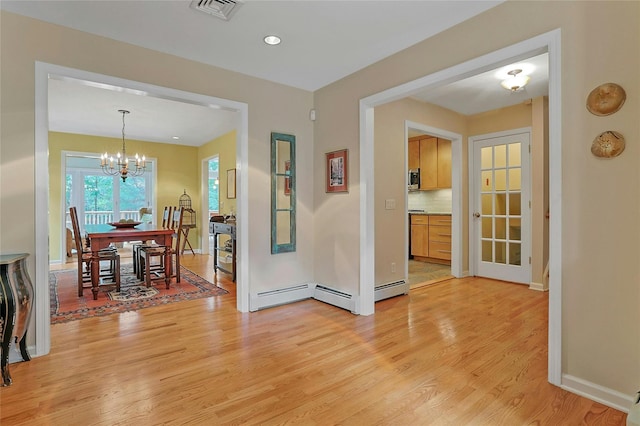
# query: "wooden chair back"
77,237
167,219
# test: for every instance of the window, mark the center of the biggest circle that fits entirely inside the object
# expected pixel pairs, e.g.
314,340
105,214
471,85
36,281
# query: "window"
214,185
100,198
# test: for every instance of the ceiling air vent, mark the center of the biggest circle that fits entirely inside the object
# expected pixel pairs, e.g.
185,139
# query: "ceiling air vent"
222,9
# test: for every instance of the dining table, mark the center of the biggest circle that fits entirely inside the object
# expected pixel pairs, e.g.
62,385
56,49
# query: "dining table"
100,236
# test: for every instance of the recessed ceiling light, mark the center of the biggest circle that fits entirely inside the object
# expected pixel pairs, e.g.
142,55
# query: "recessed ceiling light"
175,137
272,40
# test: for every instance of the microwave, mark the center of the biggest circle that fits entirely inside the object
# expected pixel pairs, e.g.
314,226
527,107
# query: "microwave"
414,179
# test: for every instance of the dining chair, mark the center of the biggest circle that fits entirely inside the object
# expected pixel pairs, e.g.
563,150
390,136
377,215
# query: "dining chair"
166,224
149,252
83,251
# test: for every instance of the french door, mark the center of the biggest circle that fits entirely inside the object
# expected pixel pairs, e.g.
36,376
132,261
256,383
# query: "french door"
100,198
500,189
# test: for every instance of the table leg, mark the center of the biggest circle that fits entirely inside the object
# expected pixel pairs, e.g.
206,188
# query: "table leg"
167,267
95,274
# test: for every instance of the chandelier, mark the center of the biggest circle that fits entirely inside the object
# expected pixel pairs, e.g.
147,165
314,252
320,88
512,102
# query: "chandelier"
122,165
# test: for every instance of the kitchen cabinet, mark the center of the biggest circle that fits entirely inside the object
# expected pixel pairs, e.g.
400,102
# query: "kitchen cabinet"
414,153
419,235
440,237
431,237
433,156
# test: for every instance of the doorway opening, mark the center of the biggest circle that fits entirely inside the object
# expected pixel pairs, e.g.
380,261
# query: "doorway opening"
429,204
44,73
548,42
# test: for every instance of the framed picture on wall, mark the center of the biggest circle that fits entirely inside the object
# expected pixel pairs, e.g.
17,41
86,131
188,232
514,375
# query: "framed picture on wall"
231,183
337,175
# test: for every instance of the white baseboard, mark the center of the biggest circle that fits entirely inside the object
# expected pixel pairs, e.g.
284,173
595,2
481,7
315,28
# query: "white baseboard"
606,396
386,291
537,287
335,297
281,296
16,356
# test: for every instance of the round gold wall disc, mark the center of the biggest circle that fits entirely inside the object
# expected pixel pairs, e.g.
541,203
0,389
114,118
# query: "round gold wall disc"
606,99
608,144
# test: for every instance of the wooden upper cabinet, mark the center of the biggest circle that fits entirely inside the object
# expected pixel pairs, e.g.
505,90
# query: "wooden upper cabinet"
429,163
433,157
414,153
444,163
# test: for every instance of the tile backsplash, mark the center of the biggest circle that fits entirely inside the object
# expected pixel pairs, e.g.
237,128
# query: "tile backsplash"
431,201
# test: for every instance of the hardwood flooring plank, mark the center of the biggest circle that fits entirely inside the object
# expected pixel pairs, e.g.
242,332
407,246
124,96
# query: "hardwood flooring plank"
461,352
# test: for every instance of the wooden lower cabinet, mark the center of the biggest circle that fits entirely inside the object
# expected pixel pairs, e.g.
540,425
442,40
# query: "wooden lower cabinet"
440,237
431,237
419,235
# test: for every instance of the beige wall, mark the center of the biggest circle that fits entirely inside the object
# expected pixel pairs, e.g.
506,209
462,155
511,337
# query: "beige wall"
177,171
25,41
600,230
390,154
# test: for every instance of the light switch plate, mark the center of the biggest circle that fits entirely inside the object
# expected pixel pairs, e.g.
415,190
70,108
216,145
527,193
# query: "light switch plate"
390,204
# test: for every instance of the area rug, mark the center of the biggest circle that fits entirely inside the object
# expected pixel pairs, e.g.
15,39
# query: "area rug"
67,306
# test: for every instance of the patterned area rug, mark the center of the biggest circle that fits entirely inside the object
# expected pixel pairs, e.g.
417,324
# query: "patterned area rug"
67,306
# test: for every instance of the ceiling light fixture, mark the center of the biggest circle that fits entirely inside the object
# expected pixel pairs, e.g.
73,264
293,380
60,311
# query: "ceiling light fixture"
120,165
272,40
515,82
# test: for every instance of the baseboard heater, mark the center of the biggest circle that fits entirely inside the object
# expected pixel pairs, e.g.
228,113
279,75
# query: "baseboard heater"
268,299
386,291
335,298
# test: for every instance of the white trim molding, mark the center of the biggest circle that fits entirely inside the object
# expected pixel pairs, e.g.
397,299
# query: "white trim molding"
594,392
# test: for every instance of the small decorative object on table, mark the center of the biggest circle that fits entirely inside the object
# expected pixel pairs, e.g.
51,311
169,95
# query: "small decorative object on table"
16,300
124,224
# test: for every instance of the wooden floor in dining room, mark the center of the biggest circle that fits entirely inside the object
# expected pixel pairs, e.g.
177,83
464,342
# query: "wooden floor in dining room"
462,352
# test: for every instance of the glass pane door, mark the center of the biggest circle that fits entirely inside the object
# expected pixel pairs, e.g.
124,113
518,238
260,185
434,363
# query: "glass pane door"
502,207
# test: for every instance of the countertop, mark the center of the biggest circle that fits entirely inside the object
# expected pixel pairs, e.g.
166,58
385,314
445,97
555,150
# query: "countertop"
428,212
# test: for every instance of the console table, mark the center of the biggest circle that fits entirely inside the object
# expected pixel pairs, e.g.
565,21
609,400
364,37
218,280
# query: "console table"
217,229
16,301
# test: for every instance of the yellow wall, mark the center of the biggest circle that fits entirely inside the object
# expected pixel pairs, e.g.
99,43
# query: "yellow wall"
177,171
225,148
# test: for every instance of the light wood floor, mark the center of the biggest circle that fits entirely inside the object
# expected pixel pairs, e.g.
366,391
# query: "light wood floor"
461,352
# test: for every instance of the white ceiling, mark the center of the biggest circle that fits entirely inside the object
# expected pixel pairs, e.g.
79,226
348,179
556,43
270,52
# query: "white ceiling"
323,41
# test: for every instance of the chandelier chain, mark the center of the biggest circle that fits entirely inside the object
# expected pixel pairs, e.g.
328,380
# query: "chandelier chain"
110,166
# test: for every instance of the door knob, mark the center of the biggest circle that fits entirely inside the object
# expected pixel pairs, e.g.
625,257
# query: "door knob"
476,214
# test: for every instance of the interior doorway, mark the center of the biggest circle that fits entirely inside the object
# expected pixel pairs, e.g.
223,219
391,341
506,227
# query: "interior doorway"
431,258
43,74
549,42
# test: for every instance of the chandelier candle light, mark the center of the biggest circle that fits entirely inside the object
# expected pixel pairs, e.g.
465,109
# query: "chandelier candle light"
120,165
